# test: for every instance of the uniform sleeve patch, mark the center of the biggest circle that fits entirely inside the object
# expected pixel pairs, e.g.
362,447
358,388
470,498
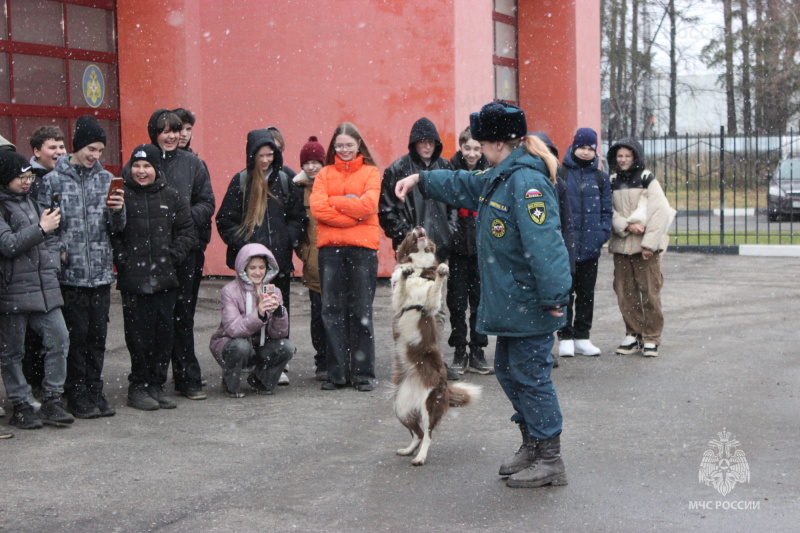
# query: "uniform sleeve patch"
499,207
533,193
498,228
538,212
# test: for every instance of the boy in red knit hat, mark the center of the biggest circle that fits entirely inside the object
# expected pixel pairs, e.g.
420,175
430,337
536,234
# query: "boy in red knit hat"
312,159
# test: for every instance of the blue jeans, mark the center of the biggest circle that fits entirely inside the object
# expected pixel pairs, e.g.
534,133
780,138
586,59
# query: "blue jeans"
51,328
523,366
348,275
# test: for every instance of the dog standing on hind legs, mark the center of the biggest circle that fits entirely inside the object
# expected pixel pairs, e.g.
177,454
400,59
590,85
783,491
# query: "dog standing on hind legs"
422,394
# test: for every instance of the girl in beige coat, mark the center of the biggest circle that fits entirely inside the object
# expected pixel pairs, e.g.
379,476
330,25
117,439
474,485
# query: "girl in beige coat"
642,216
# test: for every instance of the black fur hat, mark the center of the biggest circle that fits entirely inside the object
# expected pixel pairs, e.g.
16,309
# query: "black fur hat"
497,121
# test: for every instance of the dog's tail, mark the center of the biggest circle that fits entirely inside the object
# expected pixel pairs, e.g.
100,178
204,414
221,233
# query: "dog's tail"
463,394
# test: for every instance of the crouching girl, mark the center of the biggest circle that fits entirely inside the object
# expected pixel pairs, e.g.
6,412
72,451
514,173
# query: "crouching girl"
254,326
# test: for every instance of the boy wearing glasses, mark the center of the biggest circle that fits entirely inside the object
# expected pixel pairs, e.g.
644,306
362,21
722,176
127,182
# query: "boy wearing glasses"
80,185
29,296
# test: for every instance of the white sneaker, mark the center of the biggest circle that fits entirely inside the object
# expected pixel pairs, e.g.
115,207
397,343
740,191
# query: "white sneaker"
284,379
650,349
630,345
585,347
566,348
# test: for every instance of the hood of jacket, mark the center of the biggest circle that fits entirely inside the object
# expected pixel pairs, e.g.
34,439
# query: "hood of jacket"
249,251
631,144
424,129
546,140
256,139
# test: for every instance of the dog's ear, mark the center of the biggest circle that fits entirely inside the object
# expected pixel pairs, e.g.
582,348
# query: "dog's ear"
401,255
431,248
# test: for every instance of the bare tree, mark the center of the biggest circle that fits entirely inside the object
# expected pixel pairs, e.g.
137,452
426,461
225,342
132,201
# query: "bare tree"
730,95
745,85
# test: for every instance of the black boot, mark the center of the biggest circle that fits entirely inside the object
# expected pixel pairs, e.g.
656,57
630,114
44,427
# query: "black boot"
477,362
548,468
460,359
524,457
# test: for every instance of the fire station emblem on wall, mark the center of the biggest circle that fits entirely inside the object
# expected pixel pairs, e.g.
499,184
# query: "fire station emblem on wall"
94,88
723,466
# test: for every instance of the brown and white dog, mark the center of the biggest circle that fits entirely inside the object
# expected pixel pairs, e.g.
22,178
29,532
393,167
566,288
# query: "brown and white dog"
422,395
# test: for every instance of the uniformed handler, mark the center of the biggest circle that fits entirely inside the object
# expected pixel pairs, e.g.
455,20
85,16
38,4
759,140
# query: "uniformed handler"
525,276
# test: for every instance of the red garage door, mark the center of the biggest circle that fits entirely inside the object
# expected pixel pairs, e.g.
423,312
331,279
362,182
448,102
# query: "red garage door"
58,61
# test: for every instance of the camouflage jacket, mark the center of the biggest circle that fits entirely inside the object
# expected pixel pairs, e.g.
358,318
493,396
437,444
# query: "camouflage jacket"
86,222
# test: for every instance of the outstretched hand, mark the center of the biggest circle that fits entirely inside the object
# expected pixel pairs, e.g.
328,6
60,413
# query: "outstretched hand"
405,186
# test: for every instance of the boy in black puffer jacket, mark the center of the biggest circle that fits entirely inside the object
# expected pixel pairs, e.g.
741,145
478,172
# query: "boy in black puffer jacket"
158,236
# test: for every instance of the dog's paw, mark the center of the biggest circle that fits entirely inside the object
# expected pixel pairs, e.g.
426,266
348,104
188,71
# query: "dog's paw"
407,271
418,462
443,270
403,452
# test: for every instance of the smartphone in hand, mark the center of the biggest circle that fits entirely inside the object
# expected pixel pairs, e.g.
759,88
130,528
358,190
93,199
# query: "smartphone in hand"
116,184
55,201
267,289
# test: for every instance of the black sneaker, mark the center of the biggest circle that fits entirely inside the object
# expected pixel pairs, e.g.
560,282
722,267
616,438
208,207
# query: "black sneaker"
477,362
364,386
24,417
53,413
158,393
6,433
81,406
460,359
257,384
99,401
139,398
193,393
452,373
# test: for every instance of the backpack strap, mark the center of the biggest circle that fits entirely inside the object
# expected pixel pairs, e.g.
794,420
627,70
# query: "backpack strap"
647,178
561,172
598,175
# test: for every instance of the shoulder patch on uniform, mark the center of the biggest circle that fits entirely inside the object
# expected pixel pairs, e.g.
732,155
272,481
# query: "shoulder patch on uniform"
538,212
499,207
533,193
498,228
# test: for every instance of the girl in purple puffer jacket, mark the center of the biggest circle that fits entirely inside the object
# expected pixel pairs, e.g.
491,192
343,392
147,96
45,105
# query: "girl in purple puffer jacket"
252,336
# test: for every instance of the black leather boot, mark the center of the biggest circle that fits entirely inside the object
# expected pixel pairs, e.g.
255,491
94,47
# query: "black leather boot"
524,457
547,469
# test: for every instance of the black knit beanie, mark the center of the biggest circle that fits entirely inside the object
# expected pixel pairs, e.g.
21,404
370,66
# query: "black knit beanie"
12,165
87,131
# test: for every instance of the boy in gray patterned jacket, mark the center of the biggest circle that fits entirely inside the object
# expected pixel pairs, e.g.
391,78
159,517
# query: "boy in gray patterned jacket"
85,254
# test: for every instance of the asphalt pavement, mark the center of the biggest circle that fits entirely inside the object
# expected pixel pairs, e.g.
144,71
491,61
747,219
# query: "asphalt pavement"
635,434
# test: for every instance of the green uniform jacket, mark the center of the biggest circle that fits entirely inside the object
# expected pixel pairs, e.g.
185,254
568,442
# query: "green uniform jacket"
523,263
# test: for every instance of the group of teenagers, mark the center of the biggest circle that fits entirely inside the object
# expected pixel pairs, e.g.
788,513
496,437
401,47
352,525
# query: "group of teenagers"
522,237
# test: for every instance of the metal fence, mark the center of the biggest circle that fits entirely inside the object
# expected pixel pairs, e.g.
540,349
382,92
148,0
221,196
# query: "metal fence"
719,185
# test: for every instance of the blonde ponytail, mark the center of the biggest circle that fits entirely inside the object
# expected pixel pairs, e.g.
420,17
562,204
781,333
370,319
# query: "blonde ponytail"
535,146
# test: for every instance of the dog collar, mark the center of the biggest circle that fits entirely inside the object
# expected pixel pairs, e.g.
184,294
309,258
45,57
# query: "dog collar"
412,308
